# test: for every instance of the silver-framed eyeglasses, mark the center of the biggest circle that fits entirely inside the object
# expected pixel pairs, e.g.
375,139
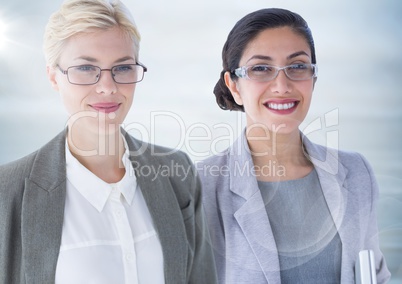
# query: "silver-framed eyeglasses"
265,72
90,74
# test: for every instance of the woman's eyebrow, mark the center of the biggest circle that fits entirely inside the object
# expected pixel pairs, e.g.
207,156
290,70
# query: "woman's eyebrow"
93,60
86,58
125,58
293,55
269,58
262,57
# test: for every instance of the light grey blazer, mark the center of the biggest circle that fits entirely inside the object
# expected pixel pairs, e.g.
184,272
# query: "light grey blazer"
242,238
32,196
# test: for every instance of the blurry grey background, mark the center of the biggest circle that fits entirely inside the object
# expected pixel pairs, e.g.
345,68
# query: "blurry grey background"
358,45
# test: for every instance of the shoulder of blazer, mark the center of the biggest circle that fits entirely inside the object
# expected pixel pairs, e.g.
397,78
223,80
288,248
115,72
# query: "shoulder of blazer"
15,172
34,165
353,162
209,166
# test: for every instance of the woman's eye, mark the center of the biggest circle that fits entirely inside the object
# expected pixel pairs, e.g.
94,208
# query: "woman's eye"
261,68
300,66
123,68
85,68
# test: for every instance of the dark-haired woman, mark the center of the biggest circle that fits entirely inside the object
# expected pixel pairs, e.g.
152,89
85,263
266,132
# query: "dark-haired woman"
288,210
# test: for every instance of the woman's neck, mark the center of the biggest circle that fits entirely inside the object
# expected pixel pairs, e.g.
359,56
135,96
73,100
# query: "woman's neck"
99,152
277,156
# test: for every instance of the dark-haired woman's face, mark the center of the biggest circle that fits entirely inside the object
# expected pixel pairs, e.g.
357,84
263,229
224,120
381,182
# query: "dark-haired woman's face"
280,104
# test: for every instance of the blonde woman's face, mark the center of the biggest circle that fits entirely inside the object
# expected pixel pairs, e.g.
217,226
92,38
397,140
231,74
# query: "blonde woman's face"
106,99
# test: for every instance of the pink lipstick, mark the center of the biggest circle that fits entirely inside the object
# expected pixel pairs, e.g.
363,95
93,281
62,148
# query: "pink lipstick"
105,107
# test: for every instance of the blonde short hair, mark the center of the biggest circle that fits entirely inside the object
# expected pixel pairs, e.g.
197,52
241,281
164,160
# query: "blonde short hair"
81,16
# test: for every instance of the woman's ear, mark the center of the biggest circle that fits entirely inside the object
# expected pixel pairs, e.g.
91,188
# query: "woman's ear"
232,86
51,74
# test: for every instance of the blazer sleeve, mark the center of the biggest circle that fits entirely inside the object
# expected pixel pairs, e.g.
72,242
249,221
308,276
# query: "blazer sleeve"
202,269
372,238
12,182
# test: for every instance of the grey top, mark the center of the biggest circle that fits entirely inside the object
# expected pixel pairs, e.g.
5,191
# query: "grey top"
309,247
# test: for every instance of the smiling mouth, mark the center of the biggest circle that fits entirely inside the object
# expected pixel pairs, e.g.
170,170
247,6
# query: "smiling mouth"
106,107
284,107
280,106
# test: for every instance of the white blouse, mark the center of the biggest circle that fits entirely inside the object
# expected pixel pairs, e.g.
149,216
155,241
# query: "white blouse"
108,235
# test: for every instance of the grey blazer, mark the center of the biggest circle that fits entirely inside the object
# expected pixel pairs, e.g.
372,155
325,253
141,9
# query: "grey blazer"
32,196
242,238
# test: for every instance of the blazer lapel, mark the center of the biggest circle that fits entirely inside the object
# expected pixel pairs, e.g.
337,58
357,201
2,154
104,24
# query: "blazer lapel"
332,176
164,208
253,220
42,212
251,214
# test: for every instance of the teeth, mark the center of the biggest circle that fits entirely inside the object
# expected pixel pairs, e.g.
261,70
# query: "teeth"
281,106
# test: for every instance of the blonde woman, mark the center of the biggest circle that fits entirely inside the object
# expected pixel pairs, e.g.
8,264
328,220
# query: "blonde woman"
86,208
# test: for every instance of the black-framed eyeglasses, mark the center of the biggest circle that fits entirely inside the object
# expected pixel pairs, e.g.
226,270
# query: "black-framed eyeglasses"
265,72
90,74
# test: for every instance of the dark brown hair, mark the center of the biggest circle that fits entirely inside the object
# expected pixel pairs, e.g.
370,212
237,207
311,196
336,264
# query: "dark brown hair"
247,29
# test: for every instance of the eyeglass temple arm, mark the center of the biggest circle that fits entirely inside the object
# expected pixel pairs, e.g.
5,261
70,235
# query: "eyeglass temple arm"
143,66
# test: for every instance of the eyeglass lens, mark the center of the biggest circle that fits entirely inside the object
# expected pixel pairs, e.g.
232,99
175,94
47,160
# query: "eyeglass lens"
88,74
268,72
